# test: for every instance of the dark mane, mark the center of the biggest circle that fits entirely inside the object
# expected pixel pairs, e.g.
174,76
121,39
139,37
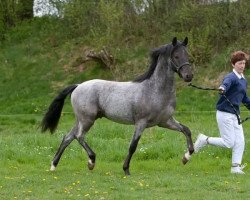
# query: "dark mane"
154,59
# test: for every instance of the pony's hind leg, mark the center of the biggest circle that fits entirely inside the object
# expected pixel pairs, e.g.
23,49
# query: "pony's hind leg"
67,139
84,127
90,152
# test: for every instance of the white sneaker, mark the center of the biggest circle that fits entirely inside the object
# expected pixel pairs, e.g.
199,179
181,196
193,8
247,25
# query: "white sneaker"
238,169
200,142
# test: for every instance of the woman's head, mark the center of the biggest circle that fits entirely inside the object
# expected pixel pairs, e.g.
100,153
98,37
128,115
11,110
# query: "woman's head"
238,56
238,60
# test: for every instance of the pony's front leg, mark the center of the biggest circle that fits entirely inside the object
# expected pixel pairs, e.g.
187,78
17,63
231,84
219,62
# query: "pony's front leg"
133,145
175,125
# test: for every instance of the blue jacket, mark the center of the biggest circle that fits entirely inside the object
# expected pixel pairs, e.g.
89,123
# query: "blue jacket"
235,91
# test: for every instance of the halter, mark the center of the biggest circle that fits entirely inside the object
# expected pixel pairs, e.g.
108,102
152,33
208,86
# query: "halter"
177,68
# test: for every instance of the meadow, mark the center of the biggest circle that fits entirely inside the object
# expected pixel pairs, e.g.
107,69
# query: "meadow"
39,57
156,168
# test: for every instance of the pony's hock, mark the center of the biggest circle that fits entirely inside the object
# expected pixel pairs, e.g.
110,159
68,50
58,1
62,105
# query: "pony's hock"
147,101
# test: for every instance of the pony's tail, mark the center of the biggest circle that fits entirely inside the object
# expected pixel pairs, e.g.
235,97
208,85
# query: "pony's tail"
52,116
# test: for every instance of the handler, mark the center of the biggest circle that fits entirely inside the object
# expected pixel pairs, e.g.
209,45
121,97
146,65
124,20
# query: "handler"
234,87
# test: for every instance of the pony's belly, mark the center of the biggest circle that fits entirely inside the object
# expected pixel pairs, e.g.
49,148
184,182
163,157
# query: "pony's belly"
122,119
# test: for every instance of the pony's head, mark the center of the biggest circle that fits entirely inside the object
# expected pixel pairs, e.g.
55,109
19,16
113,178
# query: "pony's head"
179,59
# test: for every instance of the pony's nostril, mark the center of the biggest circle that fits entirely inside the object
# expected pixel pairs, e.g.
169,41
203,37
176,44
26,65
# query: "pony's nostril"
189,76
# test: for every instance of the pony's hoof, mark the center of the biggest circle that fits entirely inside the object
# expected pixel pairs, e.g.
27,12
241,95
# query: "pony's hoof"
91,165
127,173
52,168
186,158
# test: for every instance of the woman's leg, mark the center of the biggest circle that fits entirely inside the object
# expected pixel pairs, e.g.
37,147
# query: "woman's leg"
226,127
239,145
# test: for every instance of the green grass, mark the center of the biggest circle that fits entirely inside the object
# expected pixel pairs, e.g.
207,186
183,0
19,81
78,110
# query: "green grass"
156,168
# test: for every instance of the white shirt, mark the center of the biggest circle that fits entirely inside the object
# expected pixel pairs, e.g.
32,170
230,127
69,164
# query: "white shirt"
238,75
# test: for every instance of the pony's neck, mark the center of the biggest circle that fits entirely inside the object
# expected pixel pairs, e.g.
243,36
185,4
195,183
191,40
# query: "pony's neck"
163,77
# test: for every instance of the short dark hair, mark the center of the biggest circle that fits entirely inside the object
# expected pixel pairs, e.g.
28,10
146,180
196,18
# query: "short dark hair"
238,56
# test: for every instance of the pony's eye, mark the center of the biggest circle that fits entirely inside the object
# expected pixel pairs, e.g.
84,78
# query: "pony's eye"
176,57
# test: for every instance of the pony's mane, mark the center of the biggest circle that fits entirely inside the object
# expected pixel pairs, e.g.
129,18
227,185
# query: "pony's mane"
155,53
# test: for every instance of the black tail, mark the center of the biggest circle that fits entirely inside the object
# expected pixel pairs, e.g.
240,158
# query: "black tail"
52,116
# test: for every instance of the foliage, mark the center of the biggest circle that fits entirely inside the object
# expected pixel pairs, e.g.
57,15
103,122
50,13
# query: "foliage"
12,12
210,27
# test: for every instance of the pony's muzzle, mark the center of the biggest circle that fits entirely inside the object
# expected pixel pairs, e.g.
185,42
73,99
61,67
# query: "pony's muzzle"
187,77
185,73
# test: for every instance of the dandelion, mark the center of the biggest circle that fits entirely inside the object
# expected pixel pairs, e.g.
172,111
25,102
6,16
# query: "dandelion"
141,184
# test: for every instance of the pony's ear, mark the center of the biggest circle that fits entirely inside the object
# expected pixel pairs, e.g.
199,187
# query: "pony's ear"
174,41
185,41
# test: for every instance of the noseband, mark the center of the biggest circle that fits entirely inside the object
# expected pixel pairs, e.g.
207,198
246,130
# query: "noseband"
177,68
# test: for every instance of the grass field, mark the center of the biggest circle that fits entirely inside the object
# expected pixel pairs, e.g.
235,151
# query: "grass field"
156,168
31,72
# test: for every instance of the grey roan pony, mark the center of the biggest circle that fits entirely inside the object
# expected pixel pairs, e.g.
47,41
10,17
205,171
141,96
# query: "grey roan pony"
147,101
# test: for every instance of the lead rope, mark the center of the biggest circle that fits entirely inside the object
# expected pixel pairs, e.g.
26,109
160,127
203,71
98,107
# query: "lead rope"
230,103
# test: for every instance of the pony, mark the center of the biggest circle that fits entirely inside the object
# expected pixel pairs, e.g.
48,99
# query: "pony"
147,101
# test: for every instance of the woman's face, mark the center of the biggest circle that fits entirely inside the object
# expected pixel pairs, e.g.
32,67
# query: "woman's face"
240,66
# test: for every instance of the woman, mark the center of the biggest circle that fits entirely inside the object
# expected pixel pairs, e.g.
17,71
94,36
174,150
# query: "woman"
234,87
